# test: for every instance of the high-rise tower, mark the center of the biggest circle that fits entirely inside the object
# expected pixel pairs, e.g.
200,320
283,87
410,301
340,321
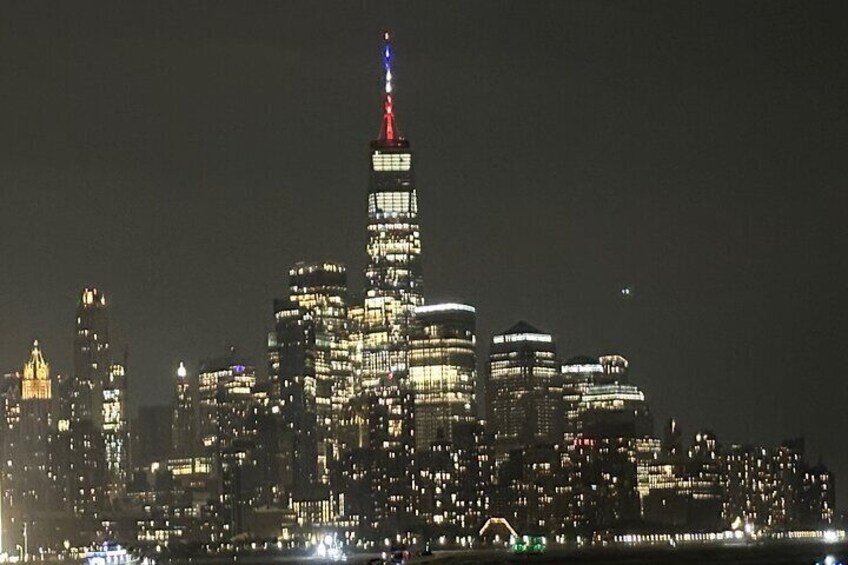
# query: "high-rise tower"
115,428
443,370
84,464
310,369
524,398
393,289
91,357
393,281
32,456
183,436
320,292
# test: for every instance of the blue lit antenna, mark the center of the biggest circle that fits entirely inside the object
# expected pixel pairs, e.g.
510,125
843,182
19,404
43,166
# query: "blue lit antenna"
389,127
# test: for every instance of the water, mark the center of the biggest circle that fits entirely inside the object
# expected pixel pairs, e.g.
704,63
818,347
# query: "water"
778,554
772,554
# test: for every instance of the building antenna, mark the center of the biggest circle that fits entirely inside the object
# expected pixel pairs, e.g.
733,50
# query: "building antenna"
389,128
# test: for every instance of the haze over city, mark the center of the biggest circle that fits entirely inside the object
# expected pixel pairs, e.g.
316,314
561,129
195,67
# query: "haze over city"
663,181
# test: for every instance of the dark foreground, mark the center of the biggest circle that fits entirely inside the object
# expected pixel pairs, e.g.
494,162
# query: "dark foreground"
772,554
807,554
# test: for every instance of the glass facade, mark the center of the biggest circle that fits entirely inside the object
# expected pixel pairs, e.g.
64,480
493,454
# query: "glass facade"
183,425
84,450
225,391
442,370
311,368
615,411
393,280
91,357
115,433
524,387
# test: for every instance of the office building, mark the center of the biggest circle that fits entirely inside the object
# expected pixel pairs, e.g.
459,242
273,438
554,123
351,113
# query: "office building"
524,388
115,428
184,419
442,370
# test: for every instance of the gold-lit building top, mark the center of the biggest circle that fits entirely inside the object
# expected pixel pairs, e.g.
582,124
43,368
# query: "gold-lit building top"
36,381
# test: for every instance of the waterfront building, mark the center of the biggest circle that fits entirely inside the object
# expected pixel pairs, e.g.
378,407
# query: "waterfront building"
442,370
526,403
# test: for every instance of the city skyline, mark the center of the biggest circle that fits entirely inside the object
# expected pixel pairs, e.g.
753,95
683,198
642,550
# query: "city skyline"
612,322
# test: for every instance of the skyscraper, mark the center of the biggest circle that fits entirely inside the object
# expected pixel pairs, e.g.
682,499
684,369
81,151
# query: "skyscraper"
291,348
320,291
225,394
91,357
525,398
393,279
183,436
393,289
615,411
31,456
228,434
311,371
442,370
115,428
579,374
85,468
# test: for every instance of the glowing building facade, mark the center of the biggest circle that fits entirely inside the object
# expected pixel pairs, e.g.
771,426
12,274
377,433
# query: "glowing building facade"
31,455
115,428
225,389
293,389
183,422
393,289
311,371
442,370
615,411
579,374
524,387
91,358
393,279
84,451
320,292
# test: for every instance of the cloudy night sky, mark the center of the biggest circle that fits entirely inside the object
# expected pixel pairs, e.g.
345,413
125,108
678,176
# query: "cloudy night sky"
182,156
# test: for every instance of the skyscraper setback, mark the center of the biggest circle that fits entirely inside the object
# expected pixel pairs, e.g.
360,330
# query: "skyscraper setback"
393,279
393,289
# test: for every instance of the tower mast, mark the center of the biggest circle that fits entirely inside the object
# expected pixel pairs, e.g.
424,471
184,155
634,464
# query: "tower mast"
389,129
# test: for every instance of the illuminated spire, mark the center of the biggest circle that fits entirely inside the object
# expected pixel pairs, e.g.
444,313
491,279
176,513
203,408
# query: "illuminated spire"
388,130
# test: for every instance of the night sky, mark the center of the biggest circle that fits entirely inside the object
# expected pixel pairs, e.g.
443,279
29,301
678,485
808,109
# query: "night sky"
182,156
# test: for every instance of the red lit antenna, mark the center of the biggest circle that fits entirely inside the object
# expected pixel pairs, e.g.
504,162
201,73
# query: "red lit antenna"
389,128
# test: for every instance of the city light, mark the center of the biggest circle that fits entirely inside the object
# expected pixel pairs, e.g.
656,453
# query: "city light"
365,419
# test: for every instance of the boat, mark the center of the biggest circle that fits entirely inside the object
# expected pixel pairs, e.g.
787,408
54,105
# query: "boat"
110,553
